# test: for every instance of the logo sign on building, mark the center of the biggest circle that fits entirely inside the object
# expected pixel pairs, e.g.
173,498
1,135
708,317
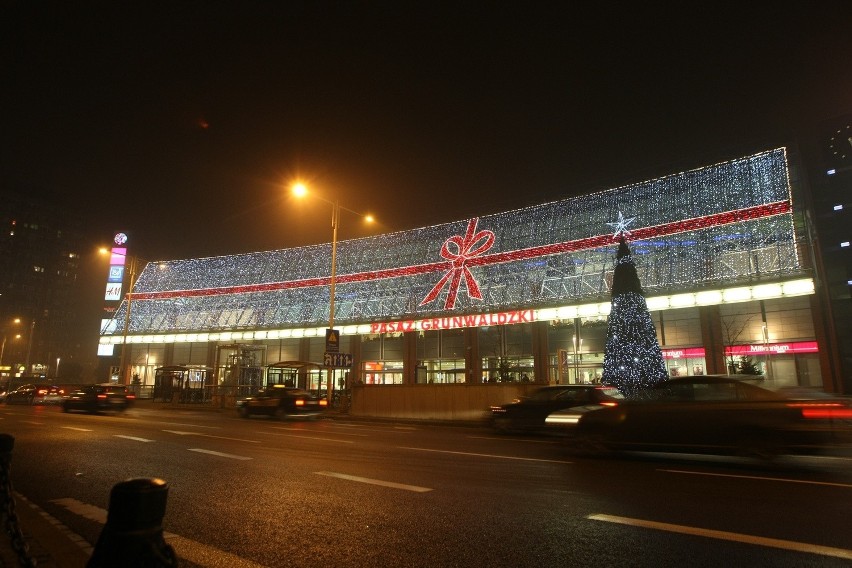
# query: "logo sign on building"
115,279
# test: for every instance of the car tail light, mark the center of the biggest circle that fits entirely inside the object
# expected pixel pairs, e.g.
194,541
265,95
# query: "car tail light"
608,403
323,402
41,392
826,410
102,396
300,402
129,396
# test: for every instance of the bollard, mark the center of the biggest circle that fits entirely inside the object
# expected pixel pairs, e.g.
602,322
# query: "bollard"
7,505
133,535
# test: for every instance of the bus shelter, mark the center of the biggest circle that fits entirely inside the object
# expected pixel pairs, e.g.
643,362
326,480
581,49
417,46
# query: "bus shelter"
177,383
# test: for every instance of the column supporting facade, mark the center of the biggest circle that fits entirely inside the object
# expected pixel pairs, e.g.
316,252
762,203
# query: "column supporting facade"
472,360
541,351
711,337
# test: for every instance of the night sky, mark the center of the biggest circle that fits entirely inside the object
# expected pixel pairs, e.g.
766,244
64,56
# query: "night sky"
183,122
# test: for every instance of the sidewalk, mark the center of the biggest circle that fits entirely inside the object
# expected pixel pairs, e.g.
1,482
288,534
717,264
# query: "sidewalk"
50,544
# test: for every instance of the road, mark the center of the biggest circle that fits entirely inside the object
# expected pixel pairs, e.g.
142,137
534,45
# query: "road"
348,493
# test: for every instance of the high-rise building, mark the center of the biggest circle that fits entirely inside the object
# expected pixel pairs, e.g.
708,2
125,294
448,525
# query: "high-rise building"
829,161
39,285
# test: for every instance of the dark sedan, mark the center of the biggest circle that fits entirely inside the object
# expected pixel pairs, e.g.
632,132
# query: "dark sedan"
281,402
529,414
98,398
717,415
24,394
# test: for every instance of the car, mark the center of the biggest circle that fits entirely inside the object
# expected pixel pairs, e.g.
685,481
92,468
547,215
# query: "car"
98,398
24,394
551,407
716,415
49,395
281,402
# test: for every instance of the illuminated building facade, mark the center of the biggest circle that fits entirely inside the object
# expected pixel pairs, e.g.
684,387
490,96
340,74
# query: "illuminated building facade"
721,253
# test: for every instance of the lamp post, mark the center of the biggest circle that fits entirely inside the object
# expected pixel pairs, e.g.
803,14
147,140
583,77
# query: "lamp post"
30,346
133,264
300,190
5,337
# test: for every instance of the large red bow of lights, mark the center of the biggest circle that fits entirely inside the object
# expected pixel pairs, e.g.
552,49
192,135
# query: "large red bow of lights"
469,253
473,244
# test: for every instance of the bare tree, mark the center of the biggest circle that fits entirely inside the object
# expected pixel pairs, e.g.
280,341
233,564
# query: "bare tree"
733,326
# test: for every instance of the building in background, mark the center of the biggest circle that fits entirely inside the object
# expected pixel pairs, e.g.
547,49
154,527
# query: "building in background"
828,151
723,253
40,286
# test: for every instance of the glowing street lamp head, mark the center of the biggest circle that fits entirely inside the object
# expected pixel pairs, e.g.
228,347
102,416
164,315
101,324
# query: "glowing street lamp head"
299,189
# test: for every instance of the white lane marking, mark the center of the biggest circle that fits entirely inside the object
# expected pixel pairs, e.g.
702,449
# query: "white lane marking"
185,549
179,433
34,423
220,454
759,478
311,438
135,438
76,429
505,439
725,535
331,433
181,424
484,455
390,484
393,430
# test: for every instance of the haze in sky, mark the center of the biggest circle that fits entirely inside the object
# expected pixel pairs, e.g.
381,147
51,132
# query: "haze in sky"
185,122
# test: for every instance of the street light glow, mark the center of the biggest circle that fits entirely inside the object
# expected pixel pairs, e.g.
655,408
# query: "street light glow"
299,189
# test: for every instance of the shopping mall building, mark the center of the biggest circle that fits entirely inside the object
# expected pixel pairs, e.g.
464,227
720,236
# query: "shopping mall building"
723,254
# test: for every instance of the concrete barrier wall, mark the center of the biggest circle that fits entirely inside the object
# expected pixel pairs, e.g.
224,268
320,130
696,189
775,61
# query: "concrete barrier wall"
454,402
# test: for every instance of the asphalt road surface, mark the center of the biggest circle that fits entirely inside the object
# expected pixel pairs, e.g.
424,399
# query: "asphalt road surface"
348,493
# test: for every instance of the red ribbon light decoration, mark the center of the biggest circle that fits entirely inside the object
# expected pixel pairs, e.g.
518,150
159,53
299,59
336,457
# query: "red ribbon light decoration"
473,244
456,264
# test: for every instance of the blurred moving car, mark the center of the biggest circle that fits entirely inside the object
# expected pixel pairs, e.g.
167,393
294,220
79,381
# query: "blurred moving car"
564,403
24,394
717,415
49,395
98,398
281,402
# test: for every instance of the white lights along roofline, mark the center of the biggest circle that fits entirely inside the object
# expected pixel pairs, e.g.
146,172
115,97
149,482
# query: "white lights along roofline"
790,288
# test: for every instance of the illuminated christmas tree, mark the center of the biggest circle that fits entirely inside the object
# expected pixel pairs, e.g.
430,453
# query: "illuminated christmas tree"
632,357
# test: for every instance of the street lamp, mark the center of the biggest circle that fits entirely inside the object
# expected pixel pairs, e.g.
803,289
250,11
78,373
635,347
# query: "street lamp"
300,190
5,337
30,346
133,266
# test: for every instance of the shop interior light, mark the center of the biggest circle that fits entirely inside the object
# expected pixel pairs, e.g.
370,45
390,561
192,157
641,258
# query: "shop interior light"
657,303
708,297
734,295
590,312
799,287
682,300
766,291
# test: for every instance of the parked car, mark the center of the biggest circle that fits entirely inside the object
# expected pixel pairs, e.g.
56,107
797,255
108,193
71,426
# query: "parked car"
717,415
564,403
281,402
24,394
98,398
